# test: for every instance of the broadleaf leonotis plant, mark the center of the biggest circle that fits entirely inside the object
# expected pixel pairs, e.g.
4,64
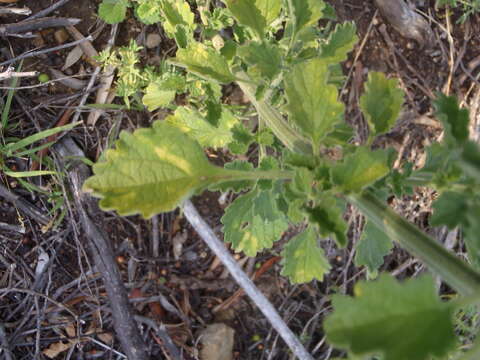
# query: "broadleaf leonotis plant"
288,68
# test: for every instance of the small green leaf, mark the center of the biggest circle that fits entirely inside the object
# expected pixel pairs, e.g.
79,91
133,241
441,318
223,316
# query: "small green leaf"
253,222
400,321
196,126
328,216
372,248
471,230
360,169
470,159
205,62
450,209
312,103
303,260
454,119
248,13
151,171
113,11
381,103
340,42
306,12
263,58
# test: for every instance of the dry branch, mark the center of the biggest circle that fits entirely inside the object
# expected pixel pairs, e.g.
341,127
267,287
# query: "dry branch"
101,249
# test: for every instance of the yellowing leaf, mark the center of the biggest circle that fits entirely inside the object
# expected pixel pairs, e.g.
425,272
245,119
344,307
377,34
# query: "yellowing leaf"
303,260
381,103
157,97
205,62
312,103
151,171
397,320
177,12
193,124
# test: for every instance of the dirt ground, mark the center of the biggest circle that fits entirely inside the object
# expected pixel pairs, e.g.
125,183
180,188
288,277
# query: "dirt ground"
171,276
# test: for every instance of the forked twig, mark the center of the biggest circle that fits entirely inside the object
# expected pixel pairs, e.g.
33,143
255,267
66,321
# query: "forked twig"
207,235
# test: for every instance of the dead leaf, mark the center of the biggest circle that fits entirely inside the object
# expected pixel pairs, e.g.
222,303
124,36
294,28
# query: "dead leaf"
73,56
107,338
56,349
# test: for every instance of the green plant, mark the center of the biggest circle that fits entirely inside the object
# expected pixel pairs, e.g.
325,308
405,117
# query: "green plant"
289,70
468,7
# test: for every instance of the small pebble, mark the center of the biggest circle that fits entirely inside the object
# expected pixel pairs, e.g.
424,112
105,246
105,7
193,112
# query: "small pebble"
153,40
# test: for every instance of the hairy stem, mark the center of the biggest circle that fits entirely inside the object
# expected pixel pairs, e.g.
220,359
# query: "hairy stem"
454,271
273,119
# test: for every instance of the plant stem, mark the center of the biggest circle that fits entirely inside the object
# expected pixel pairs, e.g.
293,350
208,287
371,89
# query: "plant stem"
273,119
238,175
454,271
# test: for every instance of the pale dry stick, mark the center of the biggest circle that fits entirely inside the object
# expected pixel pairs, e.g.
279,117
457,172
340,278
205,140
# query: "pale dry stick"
451,60
207,235
5,346
95,74
11,73
48,10
15,10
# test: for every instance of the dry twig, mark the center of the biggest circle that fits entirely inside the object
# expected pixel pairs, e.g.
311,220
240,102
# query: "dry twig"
207,235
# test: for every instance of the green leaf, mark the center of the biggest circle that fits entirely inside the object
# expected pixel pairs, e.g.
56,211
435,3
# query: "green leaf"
381,103
450,209
400,321
151,171
340,42
312,103
270,9
471,230
247,12
360,169
306,12
328,216
177,12
372,248
196,126
253,222
454,119
205,62
262,58
303,260
470,162
113,11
